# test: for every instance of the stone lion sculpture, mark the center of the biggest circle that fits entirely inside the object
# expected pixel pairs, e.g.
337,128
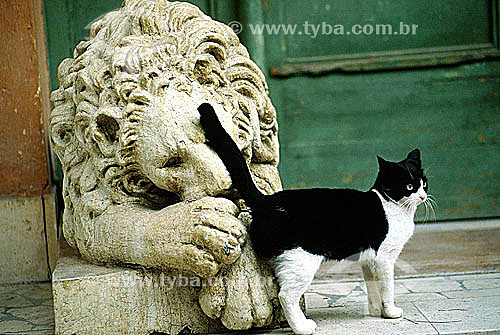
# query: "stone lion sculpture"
140,186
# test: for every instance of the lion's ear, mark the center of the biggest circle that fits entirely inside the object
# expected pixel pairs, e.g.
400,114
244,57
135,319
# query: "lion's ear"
106,134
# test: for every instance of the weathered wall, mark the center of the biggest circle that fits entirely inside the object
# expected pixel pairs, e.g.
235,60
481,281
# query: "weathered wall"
27,207
23,162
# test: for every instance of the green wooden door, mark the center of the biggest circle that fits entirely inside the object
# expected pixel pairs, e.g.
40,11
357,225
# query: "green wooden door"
351,79
355,78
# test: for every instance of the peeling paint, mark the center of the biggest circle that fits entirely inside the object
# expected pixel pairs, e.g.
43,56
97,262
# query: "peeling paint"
347,177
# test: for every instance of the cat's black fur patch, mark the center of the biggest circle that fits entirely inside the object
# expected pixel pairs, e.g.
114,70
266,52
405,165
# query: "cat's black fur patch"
335,223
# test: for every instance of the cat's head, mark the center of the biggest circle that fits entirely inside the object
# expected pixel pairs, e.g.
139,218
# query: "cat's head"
403,182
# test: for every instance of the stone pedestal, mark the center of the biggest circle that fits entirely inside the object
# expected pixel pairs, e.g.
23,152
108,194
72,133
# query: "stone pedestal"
91,299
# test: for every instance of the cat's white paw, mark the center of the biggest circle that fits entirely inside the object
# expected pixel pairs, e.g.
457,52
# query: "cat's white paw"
375,309
305,328
392,312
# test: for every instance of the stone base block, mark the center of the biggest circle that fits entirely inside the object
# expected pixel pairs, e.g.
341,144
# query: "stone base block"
91,299
28,238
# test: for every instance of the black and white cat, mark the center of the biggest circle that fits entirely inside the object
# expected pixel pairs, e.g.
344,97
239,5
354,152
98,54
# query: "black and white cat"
298,229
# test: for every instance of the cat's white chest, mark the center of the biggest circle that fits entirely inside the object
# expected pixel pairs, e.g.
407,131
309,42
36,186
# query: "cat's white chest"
401,224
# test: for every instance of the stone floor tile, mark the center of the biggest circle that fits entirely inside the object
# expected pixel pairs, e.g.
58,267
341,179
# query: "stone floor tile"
13,299
314,300
41,317
337,294
473,276
432,284
14,326
473,294
354,319
483,283
465,304
410,297
466,315
337,288
36,292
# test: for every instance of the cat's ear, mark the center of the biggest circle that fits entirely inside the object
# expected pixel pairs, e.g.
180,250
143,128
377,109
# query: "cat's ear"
414,155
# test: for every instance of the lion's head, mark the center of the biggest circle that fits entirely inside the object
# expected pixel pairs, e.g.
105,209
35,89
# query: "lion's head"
125,123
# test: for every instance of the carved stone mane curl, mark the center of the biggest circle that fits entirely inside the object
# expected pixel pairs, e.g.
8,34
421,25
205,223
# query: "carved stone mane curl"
131,53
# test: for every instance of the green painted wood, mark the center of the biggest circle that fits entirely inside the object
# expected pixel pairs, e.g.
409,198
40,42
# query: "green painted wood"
332,126
437,24
68,22
372,35
224,10
251,11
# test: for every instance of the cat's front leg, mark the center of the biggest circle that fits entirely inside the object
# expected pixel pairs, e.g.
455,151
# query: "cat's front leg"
372,290
367,260
385,272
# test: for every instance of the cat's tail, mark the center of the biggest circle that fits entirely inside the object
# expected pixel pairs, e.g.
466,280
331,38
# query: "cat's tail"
220,141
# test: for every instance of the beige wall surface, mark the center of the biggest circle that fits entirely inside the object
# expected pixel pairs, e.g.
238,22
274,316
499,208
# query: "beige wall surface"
27,203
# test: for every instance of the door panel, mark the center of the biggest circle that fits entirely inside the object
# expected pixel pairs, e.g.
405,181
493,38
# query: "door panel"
322,35
439,24
332,128
385,95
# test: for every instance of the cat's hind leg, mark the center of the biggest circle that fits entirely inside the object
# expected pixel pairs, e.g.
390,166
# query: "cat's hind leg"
295,271
367,261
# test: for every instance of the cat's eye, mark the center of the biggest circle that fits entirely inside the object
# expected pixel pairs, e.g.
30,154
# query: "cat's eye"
425,184
409,187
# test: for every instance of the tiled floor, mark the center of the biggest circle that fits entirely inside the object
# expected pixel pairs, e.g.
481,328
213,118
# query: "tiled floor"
26,309
462,304
450,304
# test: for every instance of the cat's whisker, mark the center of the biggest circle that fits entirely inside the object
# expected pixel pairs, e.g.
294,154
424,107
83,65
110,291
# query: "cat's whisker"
406,205
432,203
411,205
414,204
431,212
429,208
427,211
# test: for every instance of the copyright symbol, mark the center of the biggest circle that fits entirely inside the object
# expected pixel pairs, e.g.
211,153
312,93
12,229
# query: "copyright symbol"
235,26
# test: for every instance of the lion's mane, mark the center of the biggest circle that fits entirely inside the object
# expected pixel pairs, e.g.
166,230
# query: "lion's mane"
127,52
